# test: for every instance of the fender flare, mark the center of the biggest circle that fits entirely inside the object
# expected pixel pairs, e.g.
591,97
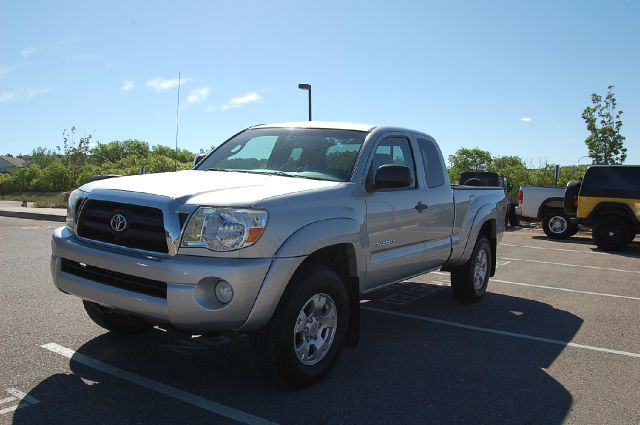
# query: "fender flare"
544,205
485,213
293,251
618,208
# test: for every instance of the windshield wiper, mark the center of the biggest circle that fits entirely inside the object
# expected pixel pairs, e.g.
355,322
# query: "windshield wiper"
217,169
279,173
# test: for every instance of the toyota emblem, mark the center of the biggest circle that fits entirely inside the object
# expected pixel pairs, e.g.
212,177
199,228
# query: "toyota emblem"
119,222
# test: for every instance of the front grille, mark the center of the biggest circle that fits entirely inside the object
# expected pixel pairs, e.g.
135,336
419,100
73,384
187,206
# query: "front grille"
144,229
116,279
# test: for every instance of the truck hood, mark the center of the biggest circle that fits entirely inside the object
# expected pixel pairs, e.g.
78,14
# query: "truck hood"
210,187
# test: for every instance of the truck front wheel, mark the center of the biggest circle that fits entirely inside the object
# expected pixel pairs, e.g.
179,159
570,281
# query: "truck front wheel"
303,339
114,320
469,281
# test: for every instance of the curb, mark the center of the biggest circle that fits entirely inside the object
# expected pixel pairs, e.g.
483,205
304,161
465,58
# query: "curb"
33,216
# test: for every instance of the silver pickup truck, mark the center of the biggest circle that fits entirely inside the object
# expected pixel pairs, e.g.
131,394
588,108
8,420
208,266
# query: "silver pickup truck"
277,233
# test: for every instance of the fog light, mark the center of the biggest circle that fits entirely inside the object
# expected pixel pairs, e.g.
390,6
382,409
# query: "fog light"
224,291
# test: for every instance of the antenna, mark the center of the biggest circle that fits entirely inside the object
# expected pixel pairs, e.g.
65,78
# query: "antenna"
177,122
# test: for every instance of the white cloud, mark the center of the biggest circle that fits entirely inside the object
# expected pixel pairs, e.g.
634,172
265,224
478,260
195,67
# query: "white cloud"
5,71
31,92
26,52
247,98
7,96
211,108
86,56
525,119
127,86
199,95
242,100
160,84
21,94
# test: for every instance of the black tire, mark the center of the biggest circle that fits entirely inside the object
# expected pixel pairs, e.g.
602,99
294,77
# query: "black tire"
632,236
114,320
612,233
275,344
556,225
463,278
514,219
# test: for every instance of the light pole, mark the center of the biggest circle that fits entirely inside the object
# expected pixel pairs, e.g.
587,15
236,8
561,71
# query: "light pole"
307,87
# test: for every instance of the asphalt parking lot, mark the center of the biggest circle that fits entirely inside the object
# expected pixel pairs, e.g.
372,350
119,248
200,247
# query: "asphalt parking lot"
555,341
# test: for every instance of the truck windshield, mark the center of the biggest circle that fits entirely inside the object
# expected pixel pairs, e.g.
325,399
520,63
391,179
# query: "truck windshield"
323,154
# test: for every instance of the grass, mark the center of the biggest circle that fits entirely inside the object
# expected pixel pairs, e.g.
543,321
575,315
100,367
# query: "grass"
40,200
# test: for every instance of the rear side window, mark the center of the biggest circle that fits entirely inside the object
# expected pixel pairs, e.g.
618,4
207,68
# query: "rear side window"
612,182
431,162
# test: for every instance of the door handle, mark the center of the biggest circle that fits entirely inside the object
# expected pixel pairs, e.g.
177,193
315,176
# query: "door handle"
421,206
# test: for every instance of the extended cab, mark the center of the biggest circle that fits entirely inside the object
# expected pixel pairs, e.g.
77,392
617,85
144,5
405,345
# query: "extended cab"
277,233
608,200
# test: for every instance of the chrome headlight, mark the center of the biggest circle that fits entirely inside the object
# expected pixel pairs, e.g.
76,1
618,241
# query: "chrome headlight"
75,198
224,229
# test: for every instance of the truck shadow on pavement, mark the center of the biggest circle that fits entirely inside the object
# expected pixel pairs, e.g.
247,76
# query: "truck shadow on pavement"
405,370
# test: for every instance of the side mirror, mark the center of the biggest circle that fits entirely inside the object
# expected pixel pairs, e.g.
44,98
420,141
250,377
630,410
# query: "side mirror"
198,158
392,176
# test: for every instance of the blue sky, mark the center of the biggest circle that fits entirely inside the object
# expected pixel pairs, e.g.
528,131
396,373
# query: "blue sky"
510,77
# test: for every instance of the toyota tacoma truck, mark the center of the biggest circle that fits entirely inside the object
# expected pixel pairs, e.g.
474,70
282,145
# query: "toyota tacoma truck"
277,233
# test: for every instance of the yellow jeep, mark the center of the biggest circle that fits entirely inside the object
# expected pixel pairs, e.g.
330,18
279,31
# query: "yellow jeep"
608,200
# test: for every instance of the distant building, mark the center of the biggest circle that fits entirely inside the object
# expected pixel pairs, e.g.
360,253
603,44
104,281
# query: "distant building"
10,163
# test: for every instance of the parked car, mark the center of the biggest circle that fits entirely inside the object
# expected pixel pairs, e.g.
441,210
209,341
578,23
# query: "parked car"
277,233
547,205
608,200
489,178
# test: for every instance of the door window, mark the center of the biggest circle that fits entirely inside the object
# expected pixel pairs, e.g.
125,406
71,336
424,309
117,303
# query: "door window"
394,150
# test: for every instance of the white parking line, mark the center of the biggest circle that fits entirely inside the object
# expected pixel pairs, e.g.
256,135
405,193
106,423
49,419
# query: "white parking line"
194,400
25,400
502,333
563,250
555,288
571,265
554,249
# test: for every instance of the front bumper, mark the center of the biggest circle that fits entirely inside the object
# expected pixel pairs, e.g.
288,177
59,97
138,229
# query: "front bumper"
190,303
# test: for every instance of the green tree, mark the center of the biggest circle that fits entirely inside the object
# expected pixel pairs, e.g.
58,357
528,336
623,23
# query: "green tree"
43,157
514,168
605,143
27,179
118,150
55,178
466,159
6,183
74,155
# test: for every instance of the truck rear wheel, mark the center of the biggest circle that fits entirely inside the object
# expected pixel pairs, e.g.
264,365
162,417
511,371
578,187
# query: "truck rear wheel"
114,320
612,233
469,282
303,339
556,225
